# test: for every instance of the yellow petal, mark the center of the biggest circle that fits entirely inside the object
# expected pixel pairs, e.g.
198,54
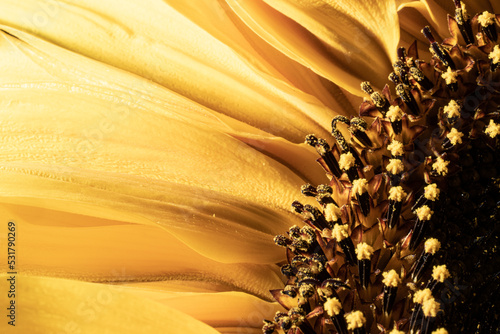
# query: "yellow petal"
101,250
49,305
116,146
217,309
156,42
344,41
217,18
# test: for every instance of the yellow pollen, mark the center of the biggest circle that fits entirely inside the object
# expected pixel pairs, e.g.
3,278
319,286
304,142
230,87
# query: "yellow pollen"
430,307
364,251
394,113
332,306
455,136
486,19
440,273
495,55
395,166
359,186
452,109
397,194
492,129
440,331
449,76
391,278
332,212
432,245
431,192
424,212
441,166
422,295
355,320
395,331
396,148
339,232
346,161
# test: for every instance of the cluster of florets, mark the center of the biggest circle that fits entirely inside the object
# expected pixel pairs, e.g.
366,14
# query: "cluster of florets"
375,250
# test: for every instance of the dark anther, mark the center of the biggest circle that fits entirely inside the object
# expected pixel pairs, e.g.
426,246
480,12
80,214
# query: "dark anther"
297,207
422,80
294,232
268,327
326,153
393,213
338,135
308,190
463,23
324,188
418,233
488,27
405,94
290,290
287,270
316,217
325,198
347,247
281,240
378,99
364,267
364,203
358,128
402,71
437,50
389,298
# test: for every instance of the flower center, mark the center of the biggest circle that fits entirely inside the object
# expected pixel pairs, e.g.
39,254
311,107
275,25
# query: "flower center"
405,233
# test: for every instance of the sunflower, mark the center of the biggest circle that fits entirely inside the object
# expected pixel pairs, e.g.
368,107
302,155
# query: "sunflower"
151,151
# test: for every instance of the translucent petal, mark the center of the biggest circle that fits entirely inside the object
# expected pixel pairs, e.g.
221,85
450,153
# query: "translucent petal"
118,147
357,45
87,248
156,42
50,305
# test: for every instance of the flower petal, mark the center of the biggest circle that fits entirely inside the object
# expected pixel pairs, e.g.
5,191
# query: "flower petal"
217,309
157,42
50,305
116,146
357,45
101,250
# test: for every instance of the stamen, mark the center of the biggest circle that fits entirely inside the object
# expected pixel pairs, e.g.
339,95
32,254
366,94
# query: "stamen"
268,327
358,127
419,298
324,151
424,213
454,136
395,166
431,192
463,22
452,109
308,190
359,187
401,70
338,135
333,308
487,22
364,254
440,166
450,78
356,321
396,197
332,212
347,163
340,233
437,50
396,148
404,92
395,114
378,99
391,281
431,246
430,308
419,76
495,58
439,275
492,129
